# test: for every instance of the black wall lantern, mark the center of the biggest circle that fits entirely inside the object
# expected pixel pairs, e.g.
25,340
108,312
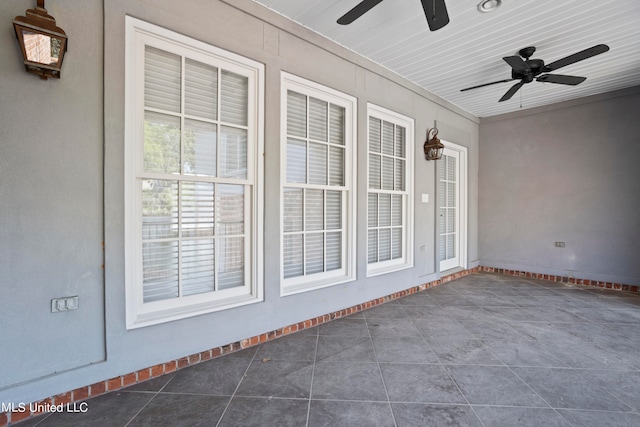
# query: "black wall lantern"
432,146
43,44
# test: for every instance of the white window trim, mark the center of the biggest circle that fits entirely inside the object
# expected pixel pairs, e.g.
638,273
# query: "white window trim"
407,260
138,35
297,285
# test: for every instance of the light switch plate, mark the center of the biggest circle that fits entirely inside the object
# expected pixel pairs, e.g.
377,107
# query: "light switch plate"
425,198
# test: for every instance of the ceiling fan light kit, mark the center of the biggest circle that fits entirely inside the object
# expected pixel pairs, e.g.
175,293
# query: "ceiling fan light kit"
527,70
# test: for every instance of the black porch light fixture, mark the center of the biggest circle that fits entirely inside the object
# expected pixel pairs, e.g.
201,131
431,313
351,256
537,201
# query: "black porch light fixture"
43,44
433,148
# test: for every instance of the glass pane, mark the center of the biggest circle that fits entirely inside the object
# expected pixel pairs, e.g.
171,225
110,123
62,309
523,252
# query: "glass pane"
41,48
443,249
336,125
233,153
161,143
296,114
314,210
293,255
162,79
387,173
296,161
400,141
372,243
387,138
159,209
230,209
396,243
399,177
197,267
384,244
374,171
159,271
451,168
292,209
199,148
451,223
317,163
384,209
317,119
375,135
336,166
372,210
314,253
442,221
197,209
442,194
334,251
451,195
442,168
201,90
396,209
230,262
233,98
334,210
451,246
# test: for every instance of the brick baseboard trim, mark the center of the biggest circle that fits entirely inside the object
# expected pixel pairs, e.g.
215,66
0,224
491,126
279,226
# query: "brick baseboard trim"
73,397
562,279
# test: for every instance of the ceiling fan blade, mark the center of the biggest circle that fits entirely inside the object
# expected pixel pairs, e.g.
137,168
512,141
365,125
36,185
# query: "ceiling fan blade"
486,84
360,9
561,79
507,96
517,64
436,13
583,54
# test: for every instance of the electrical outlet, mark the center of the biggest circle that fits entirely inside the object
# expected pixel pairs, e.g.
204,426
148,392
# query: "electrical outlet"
64,304
559,244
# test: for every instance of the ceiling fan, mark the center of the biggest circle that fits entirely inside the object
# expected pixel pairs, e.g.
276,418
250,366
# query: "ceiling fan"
434,10
525,69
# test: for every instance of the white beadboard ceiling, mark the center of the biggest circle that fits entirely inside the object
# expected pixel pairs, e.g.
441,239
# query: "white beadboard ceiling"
469,50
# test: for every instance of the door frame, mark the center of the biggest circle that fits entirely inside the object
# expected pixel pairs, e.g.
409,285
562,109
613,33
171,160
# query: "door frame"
463,214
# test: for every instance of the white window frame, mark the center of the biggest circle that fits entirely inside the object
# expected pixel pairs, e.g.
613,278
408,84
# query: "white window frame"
347,273
139,314
407,258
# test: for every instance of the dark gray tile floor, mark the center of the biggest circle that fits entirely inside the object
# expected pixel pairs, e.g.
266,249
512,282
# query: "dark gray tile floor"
484,350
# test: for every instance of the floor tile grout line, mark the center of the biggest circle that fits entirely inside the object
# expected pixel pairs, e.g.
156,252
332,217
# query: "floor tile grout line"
475,338
511,370
531,388
384,385
449,374
313,371
150,400
238,385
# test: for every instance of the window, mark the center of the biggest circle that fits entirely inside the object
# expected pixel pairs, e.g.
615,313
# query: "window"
318,158
192,170
390,191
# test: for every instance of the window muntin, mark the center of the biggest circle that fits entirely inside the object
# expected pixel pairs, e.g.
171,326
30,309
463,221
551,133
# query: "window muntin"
192,164
317,198
389,198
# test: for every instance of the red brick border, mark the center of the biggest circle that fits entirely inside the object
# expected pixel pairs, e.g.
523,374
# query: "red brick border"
563,279
145,374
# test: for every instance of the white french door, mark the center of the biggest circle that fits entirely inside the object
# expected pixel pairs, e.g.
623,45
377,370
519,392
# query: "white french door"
452,208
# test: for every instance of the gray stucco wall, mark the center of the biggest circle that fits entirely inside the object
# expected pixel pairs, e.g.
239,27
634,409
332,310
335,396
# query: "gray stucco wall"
74,167
567,173
51,200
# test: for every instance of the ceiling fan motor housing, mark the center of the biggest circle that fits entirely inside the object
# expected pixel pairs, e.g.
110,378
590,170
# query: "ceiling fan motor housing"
536,67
